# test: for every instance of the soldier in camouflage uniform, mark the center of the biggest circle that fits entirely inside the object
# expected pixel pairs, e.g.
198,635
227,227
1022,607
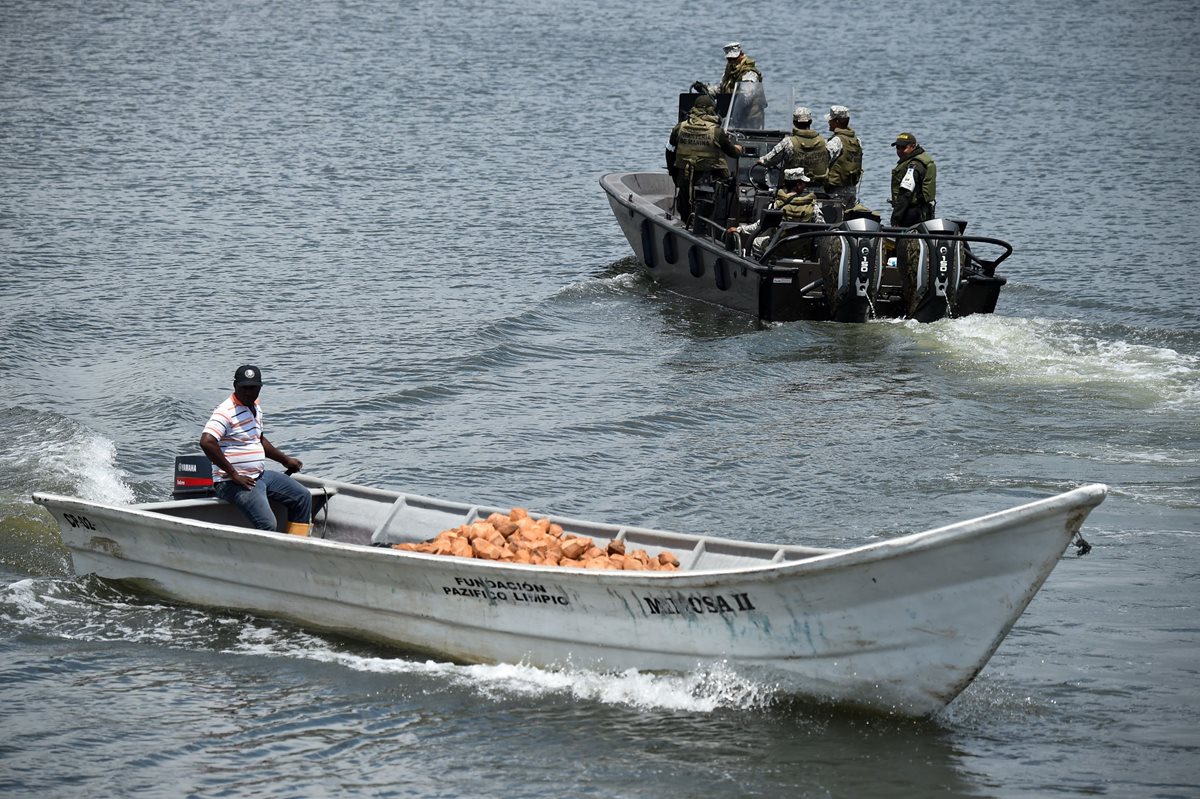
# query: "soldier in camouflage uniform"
797,203
739,68
804,148
696,152
845,158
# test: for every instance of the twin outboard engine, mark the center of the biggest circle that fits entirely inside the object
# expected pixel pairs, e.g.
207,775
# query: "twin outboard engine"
930,270
851,268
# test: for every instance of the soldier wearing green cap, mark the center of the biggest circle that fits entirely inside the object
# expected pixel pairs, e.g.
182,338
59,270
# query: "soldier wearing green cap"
914,183
696,152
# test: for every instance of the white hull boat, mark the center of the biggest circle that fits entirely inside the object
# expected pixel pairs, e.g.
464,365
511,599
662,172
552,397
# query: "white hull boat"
900,625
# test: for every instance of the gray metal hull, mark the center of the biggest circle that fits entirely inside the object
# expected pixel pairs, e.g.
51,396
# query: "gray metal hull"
901,626
700,268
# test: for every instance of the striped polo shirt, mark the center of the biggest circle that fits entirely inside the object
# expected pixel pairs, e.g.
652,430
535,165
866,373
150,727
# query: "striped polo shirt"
238,429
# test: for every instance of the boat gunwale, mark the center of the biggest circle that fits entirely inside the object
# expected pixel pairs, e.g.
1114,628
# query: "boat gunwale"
1080,499
639,203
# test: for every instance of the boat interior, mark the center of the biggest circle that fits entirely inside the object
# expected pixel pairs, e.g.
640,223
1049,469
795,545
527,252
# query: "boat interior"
365,516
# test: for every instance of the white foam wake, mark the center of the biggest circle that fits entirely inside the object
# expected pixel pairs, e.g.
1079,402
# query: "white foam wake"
66,452
1047,351
76,611
703,690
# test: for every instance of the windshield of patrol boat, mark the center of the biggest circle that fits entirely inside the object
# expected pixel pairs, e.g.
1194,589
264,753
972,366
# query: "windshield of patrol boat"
747,107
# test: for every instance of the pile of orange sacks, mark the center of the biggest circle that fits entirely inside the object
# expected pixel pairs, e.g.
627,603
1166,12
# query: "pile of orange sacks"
517,538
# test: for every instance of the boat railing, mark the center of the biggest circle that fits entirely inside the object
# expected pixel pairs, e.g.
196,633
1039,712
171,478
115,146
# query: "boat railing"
716,229
892,234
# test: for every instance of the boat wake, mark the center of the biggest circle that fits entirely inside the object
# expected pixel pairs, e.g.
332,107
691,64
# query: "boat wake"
54,453
90,610
1049,352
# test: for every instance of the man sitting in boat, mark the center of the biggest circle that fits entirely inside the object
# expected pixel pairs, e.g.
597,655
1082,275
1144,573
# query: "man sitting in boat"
804,148
234,442
696,153
797,203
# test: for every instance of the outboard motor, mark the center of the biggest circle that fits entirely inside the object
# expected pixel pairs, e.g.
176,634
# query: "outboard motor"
851,269
193,477
931,270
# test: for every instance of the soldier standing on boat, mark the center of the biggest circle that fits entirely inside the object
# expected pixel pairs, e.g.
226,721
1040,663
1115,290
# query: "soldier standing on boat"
743,80
845,158
739,68
696,153
914,183
797,203
804,148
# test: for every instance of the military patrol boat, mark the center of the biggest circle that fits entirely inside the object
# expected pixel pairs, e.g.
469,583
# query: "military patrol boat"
847,268
900,625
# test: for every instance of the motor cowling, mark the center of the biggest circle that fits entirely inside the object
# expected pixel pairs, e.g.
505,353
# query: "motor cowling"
193,477
932,270
851,268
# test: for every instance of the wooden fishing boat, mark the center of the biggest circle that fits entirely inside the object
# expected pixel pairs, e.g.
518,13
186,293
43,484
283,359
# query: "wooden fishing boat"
900,625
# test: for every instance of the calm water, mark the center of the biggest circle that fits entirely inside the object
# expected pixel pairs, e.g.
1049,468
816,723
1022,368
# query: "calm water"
394,209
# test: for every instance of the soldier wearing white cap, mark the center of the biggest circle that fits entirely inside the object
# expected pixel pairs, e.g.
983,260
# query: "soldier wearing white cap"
797,203
804,148
845,157
739,68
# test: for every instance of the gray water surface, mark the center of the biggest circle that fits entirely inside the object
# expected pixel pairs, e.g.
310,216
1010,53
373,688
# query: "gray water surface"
394,209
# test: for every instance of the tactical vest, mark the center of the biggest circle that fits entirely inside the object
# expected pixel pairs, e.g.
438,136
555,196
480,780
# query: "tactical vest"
922,167
846,169
810,152
735,73
696,144
796,207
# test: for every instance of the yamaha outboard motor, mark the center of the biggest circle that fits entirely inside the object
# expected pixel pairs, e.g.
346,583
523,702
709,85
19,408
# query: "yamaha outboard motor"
931,271
851,268
193,477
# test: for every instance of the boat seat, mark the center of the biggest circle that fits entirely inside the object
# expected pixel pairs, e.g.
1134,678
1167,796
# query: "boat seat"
803,249
770,218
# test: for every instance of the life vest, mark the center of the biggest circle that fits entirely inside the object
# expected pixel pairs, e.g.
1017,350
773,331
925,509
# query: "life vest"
796,207
846,169
810,152
924,171
735,73
696,144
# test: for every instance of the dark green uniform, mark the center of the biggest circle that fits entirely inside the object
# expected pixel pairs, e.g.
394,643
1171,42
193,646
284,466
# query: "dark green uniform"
810,152
698,143
913,196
